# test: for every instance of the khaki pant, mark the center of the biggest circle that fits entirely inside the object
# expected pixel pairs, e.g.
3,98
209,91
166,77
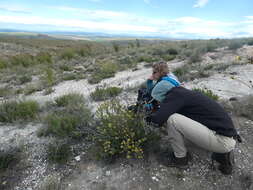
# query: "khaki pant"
180,127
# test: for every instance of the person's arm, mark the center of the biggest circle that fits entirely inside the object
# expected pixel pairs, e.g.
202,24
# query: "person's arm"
150,85
172,104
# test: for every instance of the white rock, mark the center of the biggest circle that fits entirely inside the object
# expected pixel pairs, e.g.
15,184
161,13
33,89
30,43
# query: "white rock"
107,173
78,158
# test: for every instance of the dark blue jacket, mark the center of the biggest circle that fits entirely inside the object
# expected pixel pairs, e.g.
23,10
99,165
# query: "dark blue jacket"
196,106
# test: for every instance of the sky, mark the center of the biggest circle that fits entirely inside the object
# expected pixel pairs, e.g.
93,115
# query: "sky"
204,19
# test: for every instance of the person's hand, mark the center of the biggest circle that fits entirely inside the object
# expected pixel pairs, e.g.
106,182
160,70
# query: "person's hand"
151,77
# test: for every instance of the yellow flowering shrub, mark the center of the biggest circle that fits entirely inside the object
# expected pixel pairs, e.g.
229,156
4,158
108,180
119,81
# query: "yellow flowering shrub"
120,132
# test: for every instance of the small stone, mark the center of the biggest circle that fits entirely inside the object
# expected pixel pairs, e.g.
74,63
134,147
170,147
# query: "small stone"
78,158
155,178
183,179
107,173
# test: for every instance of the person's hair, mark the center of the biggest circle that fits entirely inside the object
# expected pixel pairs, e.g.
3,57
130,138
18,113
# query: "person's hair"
161,67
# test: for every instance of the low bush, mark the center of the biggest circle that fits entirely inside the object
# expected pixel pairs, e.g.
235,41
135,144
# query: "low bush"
44,57
58,152
5,91
234,45
69,76
168,57
14,110
71,99
101,94
24,79
67,54
70,119
102,71
24,60
3,64
207,92
7,158
120,132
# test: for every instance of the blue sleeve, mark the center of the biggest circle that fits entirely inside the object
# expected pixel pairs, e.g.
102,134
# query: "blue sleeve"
150,85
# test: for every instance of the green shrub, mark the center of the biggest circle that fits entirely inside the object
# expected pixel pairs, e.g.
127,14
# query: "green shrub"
49,76
44,57
58,152
115,46
65,67
168,57
69,76
5,91
71,99
103,94
250,43
120,132
233,45
25,78
67,54
84,51
7,158
23,110
102,71
172,51
24,60
207,92
31,89
71,118
3,64
145,58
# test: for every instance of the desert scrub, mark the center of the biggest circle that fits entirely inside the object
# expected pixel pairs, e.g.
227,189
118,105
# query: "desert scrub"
5,91
24,79
102,71
51,182
11,111
119,132
207,92
9,157
58,152
247,109
3,64
70,118
101,94
67,54
71,99
44,57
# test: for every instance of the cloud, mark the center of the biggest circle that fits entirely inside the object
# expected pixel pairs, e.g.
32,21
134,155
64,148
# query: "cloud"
147,1
200,3
95,1
14,9
94,14
127,23
80,24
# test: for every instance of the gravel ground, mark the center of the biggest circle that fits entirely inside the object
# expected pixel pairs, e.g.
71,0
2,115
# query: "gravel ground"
147,174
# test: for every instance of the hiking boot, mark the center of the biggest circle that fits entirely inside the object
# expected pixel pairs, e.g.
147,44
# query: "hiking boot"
226,161
181,163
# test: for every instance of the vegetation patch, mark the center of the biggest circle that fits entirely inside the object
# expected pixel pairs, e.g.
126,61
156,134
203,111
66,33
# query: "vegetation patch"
70,118
102,71
207,92
101,94
13,110
8,158
120,132
59,152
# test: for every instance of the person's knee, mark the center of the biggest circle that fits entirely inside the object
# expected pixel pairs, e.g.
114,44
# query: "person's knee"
172,121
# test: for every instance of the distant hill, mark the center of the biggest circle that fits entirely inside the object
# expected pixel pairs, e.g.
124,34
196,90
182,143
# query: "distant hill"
74,35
